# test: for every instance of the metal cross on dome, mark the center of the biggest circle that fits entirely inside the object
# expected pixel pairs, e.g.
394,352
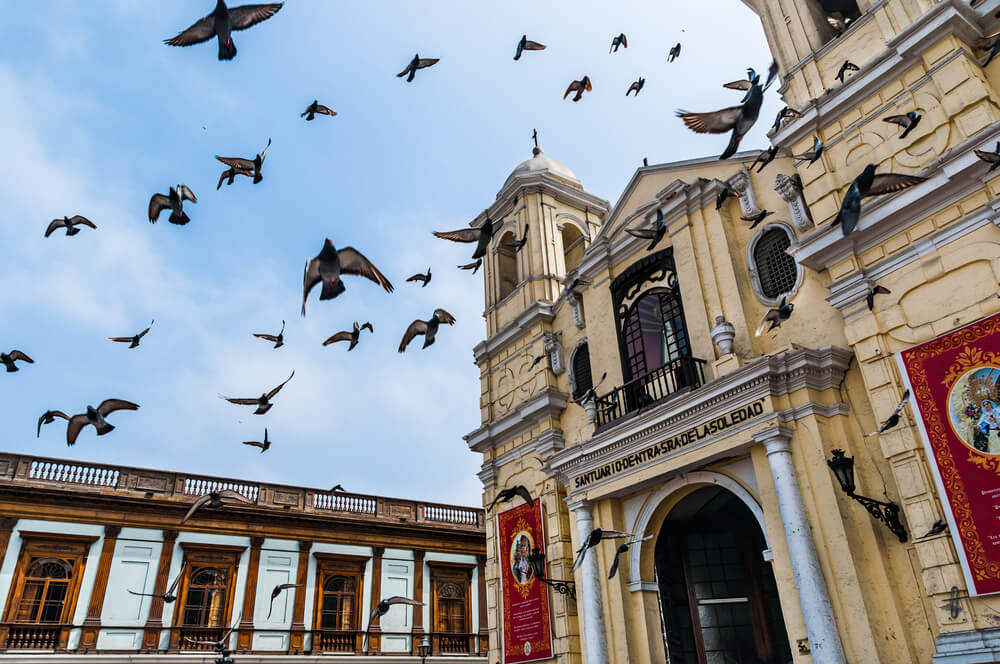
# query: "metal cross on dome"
534,136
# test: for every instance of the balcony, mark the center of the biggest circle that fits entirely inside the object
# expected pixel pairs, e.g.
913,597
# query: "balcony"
33,636
675,377
337,640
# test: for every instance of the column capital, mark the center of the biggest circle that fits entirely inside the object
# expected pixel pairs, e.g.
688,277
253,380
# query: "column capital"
581,506
305,545
112,532
775,439
257,541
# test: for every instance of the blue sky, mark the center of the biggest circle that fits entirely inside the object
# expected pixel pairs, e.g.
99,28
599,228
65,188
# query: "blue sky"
99,114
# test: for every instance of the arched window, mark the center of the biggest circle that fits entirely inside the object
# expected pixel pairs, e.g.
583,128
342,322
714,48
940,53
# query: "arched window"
339,599
654,331
506,264
207,592
46,586
574,245
581,378
773,272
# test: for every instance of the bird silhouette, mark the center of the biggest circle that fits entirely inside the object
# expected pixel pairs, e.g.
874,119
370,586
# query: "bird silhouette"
316,107
8,359
278,589
527,45
168,597
428,328
263,402
757,218
593,539
240,166
937,527
422,278
846,67
337,488
416,63
775,317
221,23
382,608
278,339
726,193
474,265
620,40
351,336
215,499
482,236
518,245
893,418
221,645
869,184
738,119
872,292
579,87
70,224
48,417
655,233
907,121
330,264
810,155
133,341
636,86
785,113
764,158
675,52
173,202
622,548
991,158
506,495
263,445
95,417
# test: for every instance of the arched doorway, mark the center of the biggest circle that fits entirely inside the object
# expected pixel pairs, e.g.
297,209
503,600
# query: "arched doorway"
718,598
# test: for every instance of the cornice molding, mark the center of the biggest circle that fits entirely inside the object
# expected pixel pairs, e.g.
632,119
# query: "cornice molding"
544,183
537,312
521,418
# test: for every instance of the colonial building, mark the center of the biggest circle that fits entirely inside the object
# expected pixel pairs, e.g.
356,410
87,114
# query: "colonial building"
85,549
657,411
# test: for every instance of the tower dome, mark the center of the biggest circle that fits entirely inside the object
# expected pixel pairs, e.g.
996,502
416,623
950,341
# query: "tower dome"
542,163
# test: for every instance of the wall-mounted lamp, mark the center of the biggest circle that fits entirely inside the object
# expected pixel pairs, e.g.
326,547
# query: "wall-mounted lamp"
888,513
537,560
424,648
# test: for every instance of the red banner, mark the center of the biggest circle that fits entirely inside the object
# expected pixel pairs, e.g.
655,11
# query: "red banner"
955,382
526,635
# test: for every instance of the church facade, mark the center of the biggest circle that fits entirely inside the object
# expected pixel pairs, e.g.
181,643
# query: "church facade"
624,386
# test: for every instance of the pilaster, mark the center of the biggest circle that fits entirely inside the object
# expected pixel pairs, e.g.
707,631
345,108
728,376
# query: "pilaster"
296,639
92,623
151,633
244,640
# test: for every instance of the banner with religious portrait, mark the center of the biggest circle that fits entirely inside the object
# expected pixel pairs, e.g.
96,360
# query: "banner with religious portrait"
955,383
526,634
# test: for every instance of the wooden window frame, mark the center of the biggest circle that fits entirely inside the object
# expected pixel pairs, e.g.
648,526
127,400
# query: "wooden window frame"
71,549
336,564
195,556
455,573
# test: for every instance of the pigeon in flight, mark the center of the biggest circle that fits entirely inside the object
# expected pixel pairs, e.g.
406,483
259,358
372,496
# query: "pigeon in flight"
846,67
620,40
764,158
595,537
278,589
991,158
622,548
330,265
893,419
428,328
739,119
134,340
726,193
337,488
70,224
351,336
655,234
591,393
474,265
215,499
482,236
757,218
174,202
316,107
536,359
382,608
423,278
8,359
416,63
908,122
783,114
506,495
241,166
263,445
278,339
48,417
96,417
872,292
168,597
991,44
937,527
636,86
221,23
869,184
527,45
580,86
222,645
675,52
263,402
775,317
810,155
752,79
518,245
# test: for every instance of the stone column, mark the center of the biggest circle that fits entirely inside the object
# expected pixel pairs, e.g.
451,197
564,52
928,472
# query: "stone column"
589,589
244,638
297,636
821,628
484,631
154,624
92,623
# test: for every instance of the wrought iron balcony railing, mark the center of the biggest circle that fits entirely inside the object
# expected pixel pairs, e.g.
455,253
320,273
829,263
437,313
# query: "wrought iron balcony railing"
679,375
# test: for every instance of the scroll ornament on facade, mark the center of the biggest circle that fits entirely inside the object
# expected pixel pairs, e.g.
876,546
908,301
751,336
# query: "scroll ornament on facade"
553,346
790,190
742,183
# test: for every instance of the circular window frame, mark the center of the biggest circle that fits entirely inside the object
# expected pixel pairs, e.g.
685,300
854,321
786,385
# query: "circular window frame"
752,265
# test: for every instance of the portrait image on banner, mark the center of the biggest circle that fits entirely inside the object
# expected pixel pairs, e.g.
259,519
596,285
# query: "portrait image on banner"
526,634
954,381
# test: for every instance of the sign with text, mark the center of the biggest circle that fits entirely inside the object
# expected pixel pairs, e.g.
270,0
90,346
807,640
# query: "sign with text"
955,382
526,635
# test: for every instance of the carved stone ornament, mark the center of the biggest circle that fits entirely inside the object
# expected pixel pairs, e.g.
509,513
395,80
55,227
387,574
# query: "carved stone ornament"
790,190
450,590
553,346
576,303
723,335
742,183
